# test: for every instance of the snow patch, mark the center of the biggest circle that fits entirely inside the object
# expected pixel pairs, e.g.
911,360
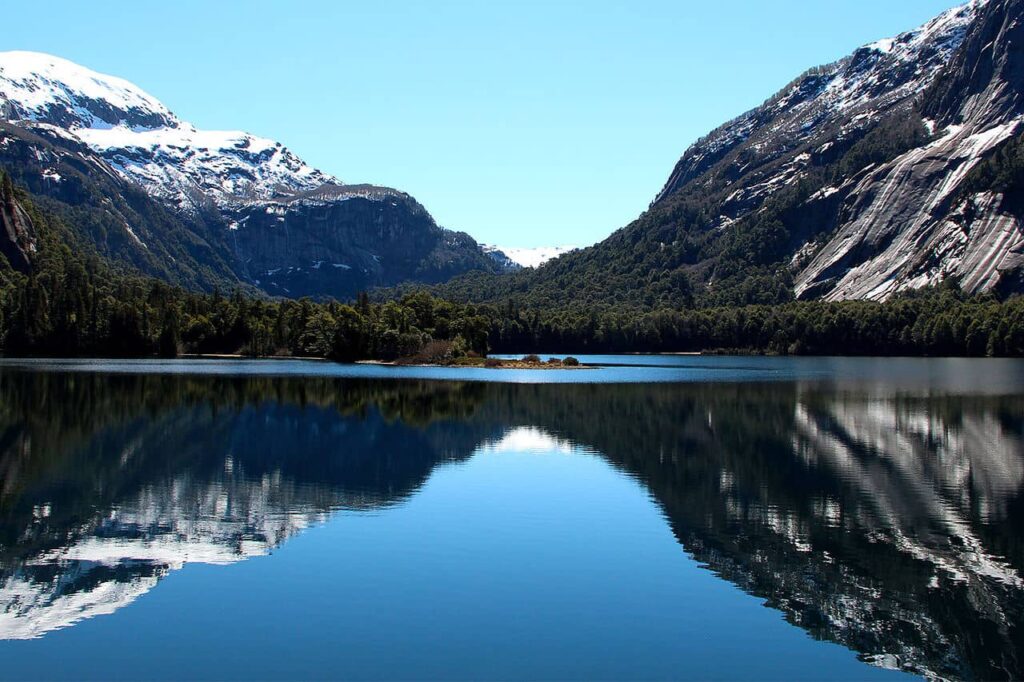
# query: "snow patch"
144,142
531,257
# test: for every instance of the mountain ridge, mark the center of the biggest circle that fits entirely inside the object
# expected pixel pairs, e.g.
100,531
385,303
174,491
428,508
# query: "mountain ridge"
217,188
849,183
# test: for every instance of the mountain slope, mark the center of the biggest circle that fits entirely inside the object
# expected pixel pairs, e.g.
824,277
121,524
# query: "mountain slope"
930,229
860,179
267,218
108,214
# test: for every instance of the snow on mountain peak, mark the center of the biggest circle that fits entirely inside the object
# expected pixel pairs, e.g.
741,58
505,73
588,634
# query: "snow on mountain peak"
144,142
854,91
178,164
41,87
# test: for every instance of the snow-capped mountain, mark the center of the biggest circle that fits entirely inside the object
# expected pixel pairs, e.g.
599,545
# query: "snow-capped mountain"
890,169
221,185
144,141
904,213
526,257
837,100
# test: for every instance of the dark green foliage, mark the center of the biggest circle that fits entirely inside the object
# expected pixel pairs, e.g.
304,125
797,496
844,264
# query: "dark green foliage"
74,304
94,207
890,138
935,322
684,252
71,308
1002,172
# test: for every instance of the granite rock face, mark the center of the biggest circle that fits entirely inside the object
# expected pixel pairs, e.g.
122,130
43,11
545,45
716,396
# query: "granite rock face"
17,234
346,238
897,167
909,222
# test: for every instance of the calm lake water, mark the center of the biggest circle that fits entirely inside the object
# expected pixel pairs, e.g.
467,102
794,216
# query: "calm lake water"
662,518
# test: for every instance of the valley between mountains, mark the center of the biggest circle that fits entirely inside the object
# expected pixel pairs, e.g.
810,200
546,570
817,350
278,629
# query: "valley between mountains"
897,169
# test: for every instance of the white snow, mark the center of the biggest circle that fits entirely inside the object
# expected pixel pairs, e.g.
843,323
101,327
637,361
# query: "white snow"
531,257
823,193
34,81
225,165
144,142
530,439
884,45
853,91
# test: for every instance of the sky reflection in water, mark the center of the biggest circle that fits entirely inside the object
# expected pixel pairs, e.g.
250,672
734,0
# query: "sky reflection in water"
218,526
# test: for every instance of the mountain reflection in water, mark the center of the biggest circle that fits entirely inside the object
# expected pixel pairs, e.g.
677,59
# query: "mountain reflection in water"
890,523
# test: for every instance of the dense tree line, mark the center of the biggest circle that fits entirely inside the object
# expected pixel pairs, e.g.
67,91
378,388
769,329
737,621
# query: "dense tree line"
683,253
934,322
74,308
74,303
83,312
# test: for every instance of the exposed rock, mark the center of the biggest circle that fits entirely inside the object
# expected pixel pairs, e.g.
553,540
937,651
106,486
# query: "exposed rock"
258,214
903,225
346,238
857,180
17,234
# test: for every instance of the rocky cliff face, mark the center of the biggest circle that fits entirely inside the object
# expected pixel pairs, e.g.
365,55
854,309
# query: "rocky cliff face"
909,222
870,225
346,238
891,169
17,234
218,184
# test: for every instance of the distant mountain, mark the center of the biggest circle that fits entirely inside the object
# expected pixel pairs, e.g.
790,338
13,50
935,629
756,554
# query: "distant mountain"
248,210
897,167
519,257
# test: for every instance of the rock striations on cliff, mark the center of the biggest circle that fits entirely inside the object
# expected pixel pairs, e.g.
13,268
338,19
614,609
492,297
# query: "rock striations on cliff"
880,225
897,167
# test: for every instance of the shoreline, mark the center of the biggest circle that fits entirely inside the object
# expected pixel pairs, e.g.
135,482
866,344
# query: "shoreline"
504,364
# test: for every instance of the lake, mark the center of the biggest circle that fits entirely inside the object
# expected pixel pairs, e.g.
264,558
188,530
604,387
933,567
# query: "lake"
658,517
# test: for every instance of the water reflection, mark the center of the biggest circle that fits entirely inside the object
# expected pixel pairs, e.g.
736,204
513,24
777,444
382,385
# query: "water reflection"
889,523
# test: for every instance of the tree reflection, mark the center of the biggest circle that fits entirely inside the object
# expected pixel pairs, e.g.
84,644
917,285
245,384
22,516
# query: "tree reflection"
889,523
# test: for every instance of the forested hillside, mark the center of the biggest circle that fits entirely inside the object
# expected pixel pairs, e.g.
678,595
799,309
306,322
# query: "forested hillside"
890,170
72,302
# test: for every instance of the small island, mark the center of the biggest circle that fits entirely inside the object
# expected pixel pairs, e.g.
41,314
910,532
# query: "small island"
526,362
439,354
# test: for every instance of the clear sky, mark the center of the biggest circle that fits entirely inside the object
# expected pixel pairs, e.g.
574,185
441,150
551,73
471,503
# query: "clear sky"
524,123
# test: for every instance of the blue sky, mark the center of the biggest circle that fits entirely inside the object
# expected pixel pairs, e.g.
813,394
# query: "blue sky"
523,123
